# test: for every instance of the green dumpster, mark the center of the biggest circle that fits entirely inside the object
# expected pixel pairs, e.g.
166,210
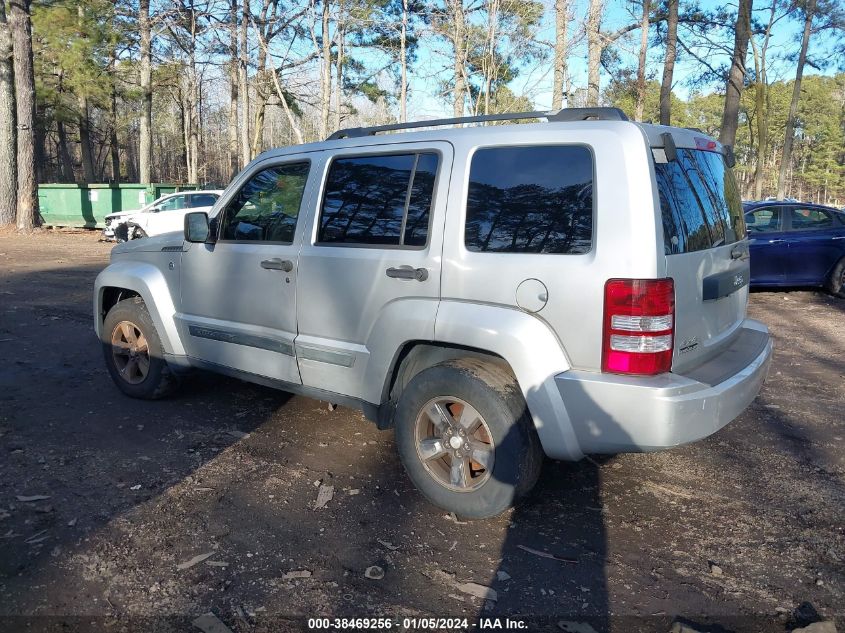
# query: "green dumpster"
87,205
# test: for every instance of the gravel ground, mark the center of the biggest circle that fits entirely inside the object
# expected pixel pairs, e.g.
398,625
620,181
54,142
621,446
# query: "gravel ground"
105,500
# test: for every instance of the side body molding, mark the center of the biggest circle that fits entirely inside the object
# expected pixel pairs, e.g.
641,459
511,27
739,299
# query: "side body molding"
534,354
149,282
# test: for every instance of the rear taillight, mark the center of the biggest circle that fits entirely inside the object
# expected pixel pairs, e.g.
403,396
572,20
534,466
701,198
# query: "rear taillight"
639,326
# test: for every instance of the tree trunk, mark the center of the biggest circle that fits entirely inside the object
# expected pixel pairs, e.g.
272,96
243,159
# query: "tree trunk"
762,123
793,106
561,46
644,28
403,61
341,35
233,90
145,143
459,41
246,154
594,51
736,78
85,140
8,163
114,146
326,78
21,27
669,64
65,161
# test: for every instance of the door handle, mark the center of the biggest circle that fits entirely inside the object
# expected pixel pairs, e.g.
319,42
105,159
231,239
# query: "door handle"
739,253
776,241
408,272
838,237
276,263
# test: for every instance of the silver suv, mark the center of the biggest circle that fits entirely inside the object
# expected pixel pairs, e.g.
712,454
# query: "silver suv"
493,293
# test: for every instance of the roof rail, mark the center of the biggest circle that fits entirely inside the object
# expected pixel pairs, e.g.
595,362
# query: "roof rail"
564,114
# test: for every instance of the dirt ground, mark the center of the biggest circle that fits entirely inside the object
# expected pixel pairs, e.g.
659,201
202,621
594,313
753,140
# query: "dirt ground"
740,532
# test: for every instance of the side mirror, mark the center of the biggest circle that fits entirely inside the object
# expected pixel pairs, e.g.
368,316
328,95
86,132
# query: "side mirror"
196,227
155,209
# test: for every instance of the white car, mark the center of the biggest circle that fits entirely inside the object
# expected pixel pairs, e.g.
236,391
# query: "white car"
165,215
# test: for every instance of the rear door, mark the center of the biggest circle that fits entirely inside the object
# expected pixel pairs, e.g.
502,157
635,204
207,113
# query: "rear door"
370,267
767,240
706,249
815,244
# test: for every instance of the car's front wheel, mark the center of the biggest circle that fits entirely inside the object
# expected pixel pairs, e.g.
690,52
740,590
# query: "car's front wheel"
133,352
465,438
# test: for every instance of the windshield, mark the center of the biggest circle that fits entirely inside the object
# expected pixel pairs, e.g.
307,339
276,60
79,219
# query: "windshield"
699,202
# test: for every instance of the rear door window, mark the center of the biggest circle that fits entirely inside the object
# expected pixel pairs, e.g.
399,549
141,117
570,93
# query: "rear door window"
202,200
536,199
699,202
379,200
763,220
805,219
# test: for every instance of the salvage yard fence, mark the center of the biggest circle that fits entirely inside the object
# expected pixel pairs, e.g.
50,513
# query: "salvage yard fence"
86,206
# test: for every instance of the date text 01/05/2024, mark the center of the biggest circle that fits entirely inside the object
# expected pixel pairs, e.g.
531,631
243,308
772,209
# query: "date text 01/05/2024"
413,624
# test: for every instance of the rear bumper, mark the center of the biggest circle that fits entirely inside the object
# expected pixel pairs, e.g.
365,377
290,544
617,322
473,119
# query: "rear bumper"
618,414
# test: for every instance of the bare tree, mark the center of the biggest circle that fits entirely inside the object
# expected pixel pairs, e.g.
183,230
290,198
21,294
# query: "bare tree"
597,41
233,89
326,71
736,77
145,145
246,154
459,35
809,11
8,164
21,27
644,28
761,92
669,63
403,62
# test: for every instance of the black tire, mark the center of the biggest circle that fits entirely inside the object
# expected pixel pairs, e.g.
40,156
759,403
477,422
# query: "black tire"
159,380
493,392
836,281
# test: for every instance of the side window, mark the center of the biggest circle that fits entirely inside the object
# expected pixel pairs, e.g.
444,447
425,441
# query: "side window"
378,200
267,206
803,219
176,203
530,200
202,200
764,220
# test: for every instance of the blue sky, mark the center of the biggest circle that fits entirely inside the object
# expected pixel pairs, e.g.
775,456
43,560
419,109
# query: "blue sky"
536,81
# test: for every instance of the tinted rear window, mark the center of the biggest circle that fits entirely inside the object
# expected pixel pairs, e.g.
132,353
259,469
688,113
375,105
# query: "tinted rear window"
699,201
530,200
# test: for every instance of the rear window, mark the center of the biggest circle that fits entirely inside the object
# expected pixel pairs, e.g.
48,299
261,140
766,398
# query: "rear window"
699,202
530,200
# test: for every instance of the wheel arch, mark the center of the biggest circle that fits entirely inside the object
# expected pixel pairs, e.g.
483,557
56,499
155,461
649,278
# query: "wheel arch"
514,340
127,279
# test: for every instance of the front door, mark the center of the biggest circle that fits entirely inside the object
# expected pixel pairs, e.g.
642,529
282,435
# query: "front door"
239,294
767,241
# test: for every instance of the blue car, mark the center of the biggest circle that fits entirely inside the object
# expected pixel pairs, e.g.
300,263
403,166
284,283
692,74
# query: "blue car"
795,244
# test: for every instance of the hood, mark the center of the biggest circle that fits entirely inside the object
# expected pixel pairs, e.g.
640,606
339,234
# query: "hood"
121,214
150,244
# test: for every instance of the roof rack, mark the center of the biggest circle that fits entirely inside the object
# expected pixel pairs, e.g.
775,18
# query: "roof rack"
564,114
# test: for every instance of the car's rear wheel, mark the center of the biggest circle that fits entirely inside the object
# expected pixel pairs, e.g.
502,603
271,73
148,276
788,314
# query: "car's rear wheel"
836,282
465,438
133,352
